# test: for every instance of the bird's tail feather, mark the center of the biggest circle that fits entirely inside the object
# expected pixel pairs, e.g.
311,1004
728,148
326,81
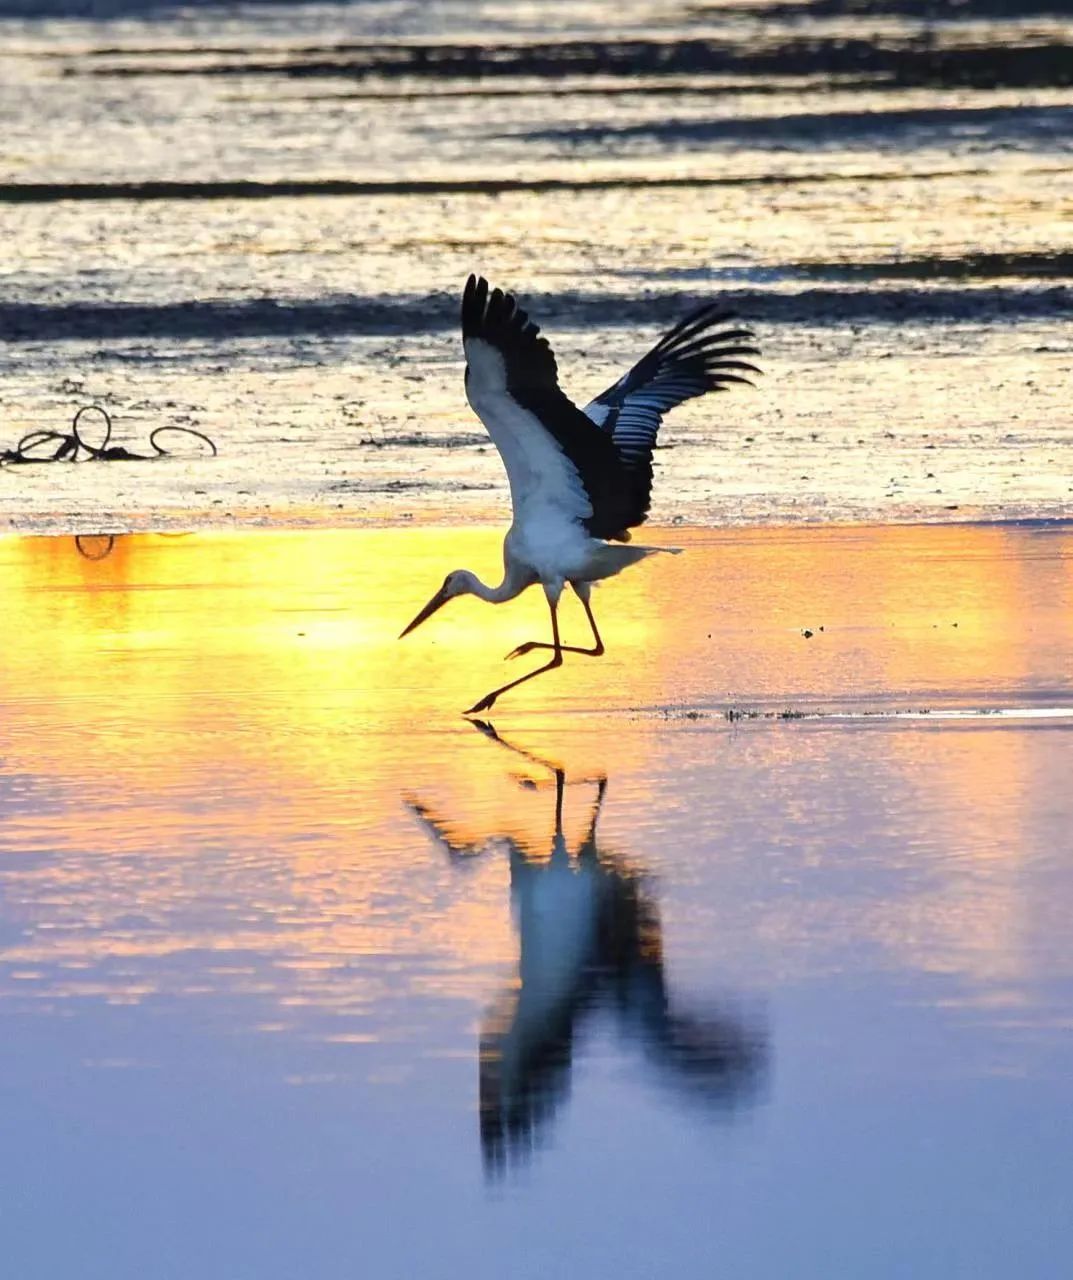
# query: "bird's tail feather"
611,559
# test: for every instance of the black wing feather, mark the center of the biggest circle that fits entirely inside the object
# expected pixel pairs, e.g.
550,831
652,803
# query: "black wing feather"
532,380
693,358
496,317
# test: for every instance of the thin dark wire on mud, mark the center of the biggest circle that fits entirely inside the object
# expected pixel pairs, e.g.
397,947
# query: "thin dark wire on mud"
71,446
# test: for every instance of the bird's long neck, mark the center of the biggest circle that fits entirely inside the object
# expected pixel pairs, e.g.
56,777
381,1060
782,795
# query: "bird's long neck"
513,584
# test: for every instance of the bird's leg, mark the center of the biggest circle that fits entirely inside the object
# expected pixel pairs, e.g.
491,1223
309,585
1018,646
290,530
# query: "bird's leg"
587,850
490,731
598,644
597,805
556,660
590,837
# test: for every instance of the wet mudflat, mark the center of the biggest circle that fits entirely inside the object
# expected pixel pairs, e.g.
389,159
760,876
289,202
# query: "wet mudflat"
300,974
257,220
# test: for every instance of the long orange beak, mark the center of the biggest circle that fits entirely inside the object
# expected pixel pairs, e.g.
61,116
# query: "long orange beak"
438,600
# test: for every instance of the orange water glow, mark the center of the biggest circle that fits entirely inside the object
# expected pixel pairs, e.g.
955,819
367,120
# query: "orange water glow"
208,742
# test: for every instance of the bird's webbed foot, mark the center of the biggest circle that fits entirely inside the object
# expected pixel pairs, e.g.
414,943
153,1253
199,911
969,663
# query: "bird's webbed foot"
525,648
487,701
530,645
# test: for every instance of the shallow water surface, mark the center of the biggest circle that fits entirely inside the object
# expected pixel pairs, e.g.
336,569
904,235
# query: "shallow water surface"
302,974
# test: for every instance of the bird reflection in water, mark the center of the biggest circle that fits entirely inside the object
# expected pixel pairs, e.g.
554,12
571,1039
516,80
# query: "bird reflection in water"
590,940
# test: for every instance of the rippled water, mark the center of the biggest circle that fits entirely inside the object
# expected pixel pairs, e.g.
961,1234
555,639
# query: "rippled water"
300,975
257,220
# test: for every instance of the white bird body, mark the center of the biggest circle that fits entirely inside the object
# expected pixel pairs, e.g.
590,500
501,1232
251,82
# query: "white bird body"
546,538
578,479
555,551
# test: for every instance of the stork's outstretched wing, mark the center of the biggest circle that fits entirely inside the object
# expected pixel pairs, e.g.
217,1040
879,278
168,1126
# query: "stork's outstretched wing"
555,456
695,357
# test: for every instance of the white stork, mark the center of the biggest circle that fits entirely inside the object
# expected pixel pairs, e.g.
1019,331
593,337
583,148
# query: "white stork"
579,479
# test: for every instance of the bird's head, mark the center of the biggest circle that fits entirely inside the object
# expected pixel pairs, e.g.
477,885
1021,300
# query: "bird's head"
459,582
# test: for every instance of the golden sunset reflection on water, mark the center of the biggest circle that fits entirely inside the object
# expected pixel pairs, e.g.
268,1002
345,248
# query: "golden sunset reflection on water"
215,750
